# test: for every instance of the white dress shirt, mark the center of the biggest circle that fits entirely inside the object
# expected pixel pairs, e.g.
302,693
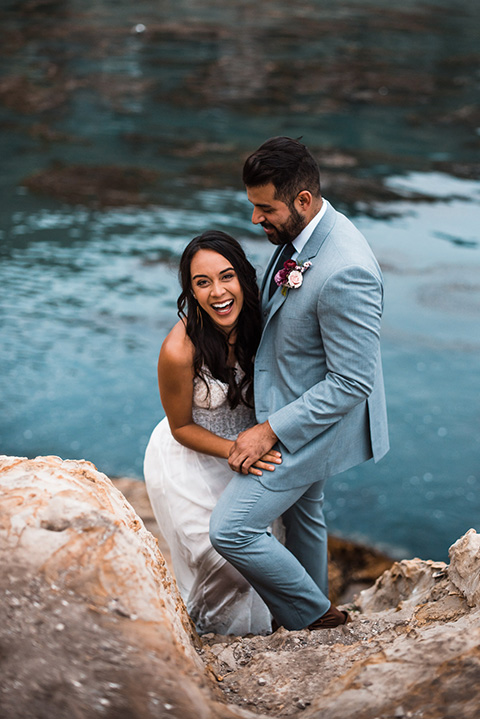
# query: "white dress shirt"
302,239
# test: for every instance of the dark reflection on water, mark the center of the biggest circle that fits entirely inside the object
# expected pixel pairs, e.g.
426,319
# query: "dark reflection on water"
385,96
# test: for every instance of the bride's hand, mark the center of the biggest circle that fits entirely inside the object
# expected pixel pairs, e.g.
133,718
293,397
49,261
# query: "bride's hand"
267,462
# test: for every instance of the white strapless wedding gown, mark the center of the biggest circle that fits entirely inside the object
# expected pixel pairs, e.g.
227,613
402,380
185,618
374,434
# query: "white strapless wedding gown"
184,487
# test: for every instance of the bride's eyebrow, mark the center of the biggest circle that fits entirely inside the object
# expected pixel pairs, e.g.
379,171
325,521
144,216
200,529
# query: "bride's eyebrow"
222,272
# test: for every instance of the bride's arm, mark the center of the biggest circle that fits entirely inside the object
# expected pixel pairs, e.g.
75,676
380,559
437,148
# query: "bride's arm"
175,380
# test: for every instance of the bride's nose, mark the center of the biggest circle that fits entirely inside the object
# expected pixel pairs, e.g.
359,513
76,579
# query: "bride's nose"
217,289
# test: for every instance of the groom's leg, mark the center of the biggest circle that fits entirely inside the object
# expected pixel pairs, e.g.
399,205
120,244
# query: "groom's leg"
239,532
306,534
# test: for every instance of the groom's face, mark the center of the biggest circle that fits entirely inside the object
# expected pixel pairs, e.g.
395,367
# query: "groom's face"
280,222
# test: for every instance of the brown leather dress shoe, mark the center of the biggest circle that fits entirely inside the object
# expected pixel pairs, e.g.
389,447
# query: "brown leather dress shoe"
331,619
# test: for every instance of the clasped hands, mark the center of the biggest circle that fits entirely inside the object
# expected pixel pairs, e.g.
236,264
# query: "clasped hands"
252,451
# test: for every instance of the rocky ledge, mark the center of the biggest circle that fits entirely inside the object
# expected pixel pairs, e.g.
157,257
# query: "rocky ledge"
92,625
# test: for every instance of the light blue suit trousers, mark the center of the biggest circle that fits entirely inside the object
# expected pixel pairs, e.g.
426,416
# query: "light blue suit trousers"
292,579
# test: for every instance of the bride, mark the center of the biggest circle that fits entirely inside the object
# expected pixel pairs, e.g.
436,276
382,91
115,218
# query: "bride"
205,373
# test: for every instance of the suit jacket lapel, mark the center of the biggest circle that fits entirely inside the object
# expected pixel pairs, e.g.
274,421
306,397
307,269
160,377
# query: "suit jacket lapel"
266,276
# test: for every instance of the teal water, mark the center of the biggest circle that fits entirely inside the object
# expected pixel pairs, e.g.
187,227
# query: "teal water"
188,89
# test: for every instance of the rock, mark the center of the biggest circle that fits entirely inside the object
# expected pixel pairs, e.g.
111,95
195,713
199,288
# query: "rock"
135,492
413,650
91,624
408,583
19,93
353,567
91,621
411,616
464,569
94,186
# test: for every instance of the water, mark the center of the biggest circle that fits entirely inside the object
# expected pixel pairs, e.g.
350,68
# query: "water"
188,89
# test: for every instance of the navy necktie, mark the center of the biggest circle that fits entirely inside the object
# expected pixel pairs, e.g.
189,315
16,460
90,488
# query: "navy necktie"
284,255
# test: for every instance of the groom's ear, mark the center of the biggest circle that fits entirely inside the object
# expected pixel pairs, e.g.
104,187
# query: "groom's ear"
304,201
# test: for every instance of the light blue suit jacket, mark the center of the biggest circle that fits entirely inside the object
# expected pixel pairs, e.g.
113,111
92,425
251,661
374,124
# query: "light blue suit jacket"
318,371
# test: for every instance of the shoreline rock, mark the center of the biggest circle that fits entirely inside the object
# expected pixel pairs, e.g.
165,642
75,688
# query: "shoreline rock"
92,625
99,187
91,615
412,650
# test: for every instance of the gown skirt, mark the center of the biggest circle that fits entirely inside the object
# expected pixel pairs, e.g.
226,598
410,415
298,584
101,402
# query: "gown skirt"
184,486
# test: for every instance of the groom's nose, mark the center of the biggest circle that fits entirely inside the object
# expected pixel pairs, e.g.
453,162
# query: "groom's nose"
257,216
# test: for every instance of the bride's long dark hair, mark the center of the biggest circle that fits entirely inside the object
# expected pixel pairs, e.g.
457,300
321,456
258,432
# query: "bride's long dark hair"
210,343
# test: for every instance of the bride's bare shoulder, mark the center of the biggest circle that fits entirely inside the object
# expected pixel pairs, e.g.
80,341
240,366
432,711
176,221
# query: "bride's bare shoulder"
177,348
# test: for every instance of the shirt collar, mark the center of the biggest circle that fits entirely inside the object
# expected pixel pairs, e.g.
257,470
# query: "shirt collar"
301,240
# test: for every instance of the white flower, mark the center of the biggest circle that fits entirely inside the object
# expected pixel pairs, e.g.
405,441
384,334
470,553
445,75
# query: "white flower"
295,279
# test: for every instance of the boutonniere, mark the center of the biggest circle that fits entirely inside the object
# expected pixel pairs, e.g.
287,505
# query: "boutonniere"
291,276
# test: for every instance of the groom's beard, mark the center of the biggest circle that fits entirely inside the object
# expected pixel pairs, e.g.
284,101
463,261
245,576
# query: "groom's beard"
288,231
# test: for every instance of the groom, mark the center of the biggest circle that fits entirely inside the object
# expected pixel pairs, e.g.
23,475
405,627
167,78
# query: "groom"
319,392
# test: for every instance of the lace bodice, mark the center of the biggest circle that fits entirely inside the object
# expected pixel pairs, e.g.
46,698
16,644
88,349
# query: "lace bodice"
211,409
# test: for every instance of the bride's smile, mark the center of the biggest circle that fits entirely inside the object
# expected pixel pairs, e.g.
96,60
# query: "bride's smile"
216,288
223,308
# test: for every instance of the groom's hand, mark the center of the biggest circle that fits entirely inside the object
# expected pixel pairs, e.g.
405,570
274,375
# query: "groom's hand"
250,446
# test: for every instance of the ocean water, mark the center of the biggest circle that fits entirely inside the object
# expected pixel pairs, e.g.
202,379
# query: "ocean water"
88,293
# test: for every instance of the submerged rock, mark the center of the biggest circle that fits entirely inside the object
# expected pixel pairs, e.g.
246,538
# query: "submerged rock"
94,186
92,625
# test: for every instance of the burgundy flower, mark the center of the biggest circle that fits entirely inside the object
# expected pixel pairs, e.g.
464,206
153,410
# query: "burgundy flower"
281,277
291,276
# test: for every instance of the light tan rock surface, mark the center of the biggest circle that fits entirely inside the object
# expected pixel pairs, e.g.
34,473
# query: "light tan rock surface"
464,570
412,650
91,624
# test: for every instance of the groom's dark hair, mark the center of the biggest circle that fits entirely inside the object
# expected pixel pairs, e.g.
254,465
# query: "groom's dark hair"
287,164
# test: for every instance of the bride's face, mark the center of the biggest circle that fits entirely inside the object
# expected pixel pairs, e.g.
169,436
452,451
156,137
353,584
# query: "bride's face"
216,287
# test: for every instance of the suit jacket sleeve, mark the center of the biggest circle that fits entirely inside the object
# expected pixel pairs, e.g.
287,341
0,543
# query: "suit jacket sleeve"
349,310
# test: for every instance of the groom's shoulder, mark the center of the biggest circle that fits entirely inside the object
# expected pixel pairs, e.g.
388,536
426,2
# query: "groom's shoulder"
347,243
343,226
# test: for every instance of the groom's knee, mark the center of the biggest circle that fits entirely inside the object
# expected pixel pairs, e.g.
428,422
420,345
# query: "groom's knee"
220,535
225,536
